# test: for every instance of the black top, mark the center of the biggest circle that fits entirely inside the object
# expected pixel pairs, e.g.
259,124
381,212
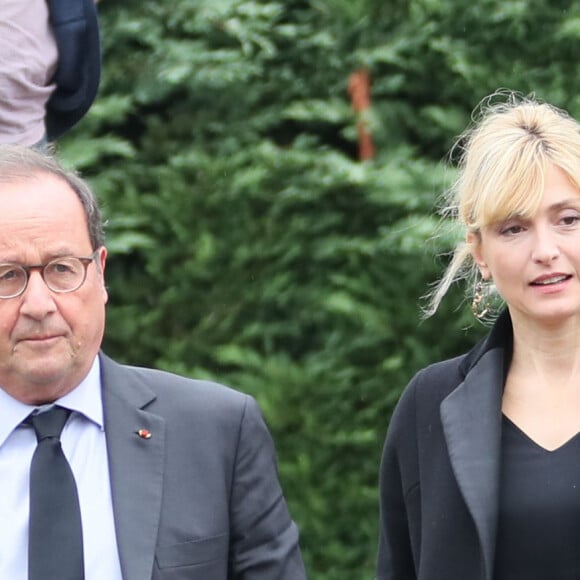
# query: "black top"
539,519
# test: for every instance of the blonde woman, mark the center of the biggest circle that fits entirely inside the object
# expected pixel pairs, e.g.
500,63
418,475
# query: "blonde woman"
480,474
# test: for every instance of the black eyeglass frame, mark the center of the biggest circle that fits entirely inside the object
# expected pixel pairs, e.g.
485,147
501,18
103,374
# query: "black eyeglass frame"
85,261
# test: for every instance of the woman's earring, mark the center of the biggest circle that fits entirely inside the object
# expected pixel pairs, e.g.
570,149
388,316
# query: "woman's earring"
480,303
487,302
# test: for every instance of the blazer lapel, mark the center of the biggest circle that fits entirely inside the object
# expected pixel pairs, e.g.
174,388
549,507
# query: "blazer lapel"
136,467
471,417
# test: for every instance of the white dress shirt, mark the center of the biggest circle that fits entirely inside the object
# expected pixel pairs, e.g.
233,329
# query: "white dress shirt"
84,445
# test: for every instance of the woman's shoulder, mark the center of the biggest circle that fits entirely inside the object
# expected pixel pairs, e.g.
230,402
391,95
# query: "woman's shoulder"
428,387
439,377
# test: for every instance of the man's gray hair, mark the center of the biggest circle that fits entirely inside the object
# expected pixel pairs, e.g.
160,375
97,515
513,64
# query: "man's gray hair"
20,163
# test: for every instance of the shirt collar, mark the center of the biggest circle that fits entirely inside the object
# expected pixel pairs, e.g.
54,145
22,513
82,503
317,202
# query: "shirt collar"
85,399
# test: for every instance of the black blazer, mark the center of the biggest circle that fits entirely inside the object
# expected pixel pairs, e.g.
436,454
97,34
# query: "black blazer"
76,30
439,480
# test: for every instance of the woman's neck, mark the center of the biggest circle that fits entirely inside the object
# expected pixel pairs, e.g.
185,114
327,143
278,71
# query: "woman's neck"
550,353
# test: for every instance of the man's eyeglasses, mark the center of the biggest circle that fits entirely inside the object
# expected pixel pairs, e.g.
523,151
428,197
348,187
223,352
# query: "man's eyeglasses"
61,275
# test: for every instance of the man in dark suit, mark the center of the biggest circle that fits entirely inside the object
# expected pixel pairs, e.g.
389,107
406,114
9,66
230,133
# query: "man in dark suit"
50,68
176,478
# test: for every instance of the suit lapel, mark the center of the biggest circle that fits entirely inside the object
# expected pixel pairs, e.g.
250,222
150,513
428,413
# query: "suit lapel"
471,417
136,467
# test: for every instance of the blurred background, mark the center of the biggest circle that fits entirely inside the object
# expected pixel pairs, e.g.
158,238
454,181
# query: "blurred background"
271,171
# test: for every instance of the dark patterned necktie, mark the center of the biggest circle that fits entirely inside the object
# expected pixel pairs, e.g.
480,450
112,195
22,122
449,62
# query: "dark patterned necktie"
55,550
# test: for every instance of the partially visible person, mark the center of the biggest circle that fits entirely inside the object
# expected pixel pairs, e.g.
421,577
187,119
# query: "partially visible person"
176,478
50,64
480,478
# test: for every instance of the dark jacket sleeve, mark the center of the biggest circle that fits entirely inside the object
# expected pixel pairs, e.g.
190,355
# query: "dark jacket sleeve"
76,31
264,537
399,493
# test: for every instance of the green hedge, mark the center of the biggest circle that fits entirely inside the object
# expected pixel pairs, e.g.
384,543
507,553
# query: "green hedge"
249,245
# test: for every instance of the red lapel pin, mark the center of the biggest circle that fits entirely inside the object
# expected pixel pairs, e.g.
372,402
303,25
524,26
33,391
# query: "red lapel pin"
144,433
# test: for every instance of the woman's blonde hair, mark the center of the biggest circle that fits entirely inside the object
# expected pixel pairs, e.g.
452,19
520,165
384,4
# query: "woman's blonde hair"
503,158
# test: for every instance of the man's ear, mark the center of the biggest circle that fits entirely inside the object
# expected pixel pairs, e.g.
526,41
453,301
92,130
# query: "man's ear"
101,261
473,240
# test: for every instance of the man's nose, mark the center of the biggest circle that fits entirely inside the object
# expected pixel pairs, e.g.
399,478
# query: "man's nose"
37,299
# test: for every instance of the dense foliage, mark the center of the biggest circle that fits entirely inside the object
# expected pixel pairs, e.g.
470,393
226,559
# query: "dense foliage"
250,245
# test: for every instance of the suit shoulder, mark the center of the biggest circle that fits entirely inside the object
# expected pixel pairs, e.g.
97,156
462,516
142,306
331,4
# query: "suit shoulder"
163,381
173,394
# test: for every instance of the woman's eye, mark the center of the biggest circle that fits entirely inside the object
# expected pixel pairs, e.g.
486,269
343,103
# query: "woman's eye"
511,230
570,220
